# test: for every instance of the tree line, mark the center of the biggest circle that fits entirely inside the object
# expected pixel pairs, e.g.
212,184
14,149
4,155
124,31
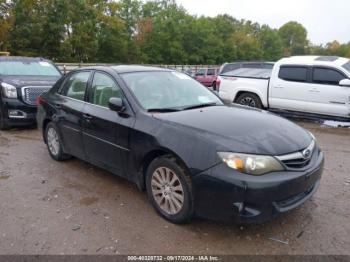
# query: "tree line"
152,32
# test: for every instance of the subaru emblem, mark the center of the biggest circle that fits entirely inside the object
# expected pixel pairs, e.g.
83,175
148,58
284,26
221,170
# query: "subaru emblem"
307,153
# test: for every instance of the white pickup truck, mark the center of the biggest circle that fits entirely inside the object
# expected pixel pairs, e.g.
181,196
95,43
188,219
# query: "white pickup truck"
302,84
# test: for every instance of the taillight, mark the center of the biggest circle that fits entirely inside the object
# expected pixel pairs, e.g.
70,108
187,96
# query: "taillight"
39,100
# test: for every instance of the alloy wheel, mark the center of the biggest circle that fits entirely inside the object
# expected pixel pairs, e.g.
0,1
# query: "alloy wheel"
53,141
167,190
248,101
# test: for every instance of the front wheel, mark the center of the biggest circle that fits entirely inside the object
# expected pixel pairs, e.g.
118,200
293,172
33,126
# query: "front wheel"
169,190
249,99
3,124
54,143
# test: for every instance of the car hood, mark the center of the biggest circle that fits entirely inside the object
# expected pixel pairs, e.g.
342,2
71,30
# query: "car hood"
239,129
20,81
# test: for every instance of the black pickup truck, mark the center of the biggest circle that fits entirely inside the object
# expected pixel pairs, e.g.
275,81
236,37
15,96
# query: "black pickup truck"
22,80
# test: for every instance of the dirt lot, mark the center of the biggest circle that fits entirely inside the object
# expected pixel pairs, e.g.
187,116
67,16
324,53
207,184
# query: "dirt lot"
73,208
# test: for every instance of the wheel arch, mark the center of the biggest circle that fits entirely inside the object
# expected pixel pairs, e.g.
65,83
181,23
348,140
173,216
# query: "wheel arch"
147,160
241,92
45,123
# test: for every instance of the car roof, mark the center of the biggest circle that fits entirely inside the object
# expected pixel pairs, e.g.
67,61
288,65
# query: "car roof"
136,68
314,60
121,69
22,59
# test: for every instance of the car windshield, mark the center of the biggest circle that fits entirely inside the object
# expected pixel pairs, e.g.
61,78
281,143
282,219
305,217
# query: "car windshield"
32,68
168,90
347,66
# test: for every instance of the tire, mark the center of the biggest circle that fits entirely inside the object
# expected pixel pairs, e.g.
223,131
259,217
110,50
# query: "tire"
54,143
3,125
169,190
214,86
249,99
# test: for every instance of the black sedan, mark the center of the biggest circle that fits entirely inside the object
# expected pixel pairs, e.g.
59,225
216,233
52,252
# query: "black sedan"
173,137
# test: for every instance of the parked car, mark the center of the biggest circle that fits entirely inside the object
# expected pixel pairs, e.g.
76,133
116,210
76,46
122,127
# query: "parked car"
22,80
190,72
160,129
303,85
207,77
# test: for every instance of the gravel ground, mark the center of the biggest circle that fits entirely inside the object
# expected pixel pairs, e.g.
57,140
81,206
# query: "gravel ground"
74,208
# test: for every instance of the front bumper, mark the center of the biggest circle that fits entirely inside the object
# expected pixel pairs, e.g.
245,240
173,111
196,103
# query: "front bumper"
27,112
222,193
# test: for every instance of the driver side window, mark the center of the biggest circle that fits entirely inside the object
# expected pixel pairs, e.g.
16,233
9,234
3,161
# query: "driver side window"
103,88
326,76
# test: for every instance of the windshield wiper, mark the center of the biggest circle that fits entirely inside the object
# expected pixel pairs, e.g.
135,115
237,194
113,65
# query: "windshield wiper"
200,106
163,110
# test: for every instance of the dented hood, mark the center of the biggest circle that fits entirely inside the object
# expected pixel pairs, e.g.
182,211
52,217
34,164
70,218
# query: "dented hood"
240,129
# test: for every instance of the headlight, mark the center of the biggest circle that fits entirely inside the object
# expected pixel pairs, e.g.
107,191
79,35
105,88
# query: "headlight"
251,164
9,91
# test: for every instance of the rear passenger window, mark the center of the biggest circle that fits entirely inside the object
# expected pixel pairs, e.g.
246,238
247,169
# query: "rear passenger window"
211,72
104,88
293,73
326,76
75,85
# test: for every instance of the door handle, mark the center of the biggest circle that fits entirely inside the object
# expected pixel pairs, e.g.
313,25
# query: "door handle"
87,116
314,90
278,86
58,106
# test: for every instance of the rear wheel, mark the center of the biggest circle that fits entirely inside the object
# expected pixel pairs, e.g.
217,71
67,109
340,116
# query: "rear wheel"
169,190
249,99
54,143
214,86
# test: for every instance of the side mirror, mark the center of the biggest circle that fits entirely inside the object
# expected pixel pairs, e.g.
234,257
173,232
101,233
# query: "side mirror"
116,104
345,82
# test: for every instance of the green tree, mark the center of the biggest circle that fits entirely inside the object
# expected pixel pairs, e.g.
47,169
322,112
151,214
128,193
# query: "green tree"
164,42
5,23
294,38
246,47
225,26
270,43
200,41
53,28
130,13
26,31
111,36
136,31
81,29
317,50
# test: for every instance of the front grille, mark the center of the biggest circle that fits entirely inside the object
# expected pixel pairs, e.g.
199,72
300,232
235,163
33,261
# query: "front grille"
297,163
299,159
31,93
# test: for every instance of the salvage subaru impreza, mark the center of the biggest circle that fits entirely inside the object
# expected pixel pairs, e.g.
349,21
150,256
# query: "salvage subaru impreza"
171,136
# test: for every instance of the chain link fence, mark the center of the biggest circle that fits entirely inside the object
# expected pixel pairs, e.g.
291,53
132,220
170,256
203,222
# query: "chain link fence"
67,67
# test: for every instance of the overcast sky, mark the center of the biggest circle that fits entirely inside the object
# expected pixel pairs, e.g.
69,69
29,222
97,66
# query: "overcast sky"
325,20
